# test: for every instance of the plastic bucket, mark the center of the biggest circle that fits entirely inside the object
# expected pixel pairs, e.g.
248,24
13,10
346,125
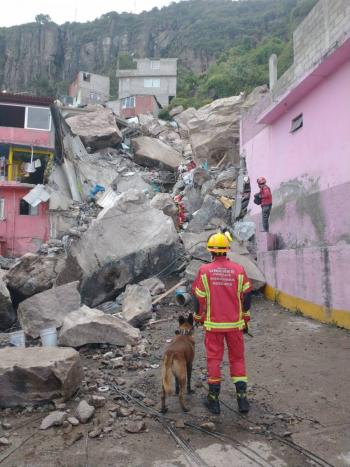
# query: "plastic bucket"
180,290
183,299
48,337
18,339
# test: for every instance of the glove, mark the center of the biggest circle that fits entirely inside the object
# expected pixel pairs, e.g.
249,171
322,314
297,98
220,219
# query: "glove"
246,327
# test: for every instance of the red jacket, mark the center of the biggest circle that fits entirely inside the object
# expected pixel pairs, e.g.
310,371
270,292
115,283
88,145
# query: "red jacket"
265,196
219,287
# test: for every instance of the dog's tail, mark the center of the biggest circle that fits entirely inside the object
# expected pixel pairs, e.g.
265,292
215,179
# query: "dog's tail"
167,373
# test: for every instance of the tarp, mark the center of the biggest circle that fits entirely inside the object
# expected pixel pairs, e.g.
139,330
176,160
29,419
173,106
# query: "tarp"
37,195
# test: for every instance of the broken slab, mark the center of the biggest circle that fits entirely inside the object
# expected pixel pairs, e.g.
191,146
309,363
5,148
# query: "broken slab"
192,269
37,375
154,285
84,411
151,152
7,313
48,309
91,326
55,418
165,203
128,242
96,129
137,304
32,274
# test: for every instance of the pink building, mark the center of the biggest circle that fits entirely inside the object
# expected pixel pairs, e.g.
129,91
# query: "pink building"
136,105
26,149
298,137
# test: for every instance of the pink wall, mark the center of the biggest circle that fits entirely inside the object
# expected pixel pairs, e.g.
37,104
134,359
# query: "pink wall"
39,138
309,174
144,105
20,234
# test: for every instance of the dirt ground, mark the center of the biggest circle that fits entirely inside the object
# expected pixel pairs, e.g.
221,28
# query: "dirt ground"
299,380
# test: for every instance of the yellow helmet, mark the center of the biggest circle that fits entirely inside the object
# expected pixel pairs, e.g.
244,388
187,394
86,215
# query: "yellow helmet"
218,243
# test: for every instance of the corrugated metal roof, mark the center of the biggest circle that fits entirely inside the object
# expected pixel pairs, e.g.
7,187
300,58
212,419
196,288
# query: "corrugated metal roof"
26,99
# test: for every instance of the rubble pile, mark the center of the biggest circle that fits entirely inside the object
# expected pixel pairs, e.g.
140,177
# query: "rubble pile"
127,203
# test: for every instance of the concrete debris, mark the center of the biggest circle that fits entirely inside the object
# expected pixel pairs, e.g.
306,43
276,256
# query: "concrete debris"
209,426
38,374
84,411
95,433
53,419
130,180
73,421
176,110
151,152
96,129
33,274
192,269
4,441
48,309
90,326
137,305
154,285
126,242
196,244
7,313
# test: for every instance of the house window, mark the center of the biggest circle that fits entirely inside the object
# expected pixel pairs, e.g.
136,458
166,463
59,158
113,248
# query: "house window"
12,116
25,209
129,102
86,77
2,209
155,64
297,123
152,83
38,118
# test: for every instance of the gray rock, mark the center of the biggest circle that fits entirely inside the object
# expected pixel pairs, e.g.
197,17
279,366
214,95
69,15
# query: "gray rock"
4,441
7,313
33,274
53,419
96,129
176,110
192,269
73,421
95,433
214,131
200,176
151,152
212,214
154,285
48,309
226,178
97,401
136,427
196,244
37,375
84,412
90,326
137,305
165,203
127,242
192,199
251,268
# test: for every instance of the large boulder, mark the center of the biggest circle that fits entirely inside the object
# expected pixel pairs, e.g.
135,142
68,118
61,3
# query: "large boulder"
48,309
252,269
151,152
96,129
32,274
91,326
130,180
137,304
154,285
37,375
128,242
214,131
165,203
211,214
7,313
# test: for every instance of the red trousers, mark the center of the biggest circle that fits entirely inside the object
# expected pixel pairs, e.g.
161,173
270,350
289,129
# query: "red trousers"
214,345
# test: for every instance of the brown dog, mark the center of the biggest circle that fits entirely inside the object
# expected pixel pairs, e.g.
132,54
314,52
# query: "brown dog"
178,359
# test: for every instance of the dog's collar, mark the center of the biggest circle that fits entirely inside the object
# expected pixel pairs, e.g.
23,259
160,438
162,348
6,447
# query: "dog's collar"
185,332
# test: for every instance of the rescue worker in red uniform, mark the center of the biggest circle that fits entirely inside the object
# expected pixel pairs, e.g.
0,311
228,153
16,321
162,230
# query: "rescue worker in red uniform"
222,306
265,201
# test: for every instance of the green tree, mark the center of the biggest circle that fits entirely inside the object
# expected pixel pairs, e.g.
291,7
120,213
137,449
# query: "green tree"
43,19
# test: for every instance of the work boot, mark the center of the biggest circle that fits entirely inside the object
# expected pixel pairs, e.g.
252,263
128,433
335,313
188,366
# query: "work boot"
242,401
212,401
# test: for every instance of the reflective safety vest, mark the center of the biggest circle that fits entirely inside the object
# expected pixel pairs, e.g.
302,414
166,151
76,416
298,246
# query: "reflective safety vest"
219,287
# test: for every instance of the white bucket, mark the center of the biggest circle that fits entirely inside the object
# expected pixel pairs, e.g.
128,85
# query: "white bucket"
48,337
18,339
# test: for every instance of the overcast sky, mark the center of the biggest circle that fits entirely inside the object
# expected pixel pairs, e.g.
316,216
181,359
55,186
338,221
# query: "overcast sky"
24,11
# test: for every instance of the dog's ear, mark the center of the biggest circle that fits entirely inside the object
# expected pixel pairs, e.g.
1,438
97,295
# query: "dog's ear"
190,319
181,320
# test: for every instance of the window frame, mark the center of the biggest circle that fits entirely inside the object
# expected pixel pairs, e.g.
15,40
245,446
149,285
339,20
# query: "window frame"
152,81
129,102
26,118
297,123
155,64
